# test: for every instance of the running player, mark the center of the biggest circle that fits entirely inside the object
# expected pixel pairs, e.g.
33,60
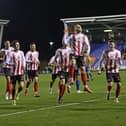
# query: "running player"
112,60
5,57
17,61
32,61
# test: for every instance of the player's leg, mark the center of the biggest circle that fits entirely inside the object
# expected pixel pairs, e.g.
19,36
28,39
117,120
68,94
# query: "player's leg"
87,73
8,91
118,86
9,86
13,79
67,82
118,89
109,85
61,91
27,85
90,75
77,81
84,80
20,85
28,82
36,94
54,76
72,68
62,87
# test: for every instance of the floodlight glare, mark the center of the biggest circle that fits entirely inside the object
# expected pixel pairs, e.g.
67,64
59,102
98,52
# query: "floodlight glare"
108,30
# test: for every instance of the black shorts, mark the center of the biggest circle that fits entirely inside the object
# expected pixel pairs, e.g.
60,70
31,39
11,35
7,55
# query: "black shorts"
54,76
32,74
113,77
7,71
18,78
79,61
63,75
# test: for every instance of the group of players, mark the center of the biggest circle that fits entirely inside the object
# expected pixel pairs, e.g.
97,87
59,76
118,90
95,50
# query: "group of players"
15,64
68,64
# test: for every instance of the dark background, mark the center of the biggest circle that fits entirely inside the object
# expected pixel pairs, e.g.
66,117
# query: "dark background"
39,20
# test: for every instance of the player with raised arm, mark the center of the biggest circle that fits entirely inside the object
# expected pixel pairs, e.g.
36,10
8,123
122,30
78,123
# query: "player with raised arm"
17,61
78,43
32,63
112,60
5,52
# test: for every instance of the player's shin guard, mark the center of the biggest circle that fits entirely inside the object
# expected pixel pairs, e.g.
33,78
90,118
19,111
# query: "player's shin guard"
118,89
77,85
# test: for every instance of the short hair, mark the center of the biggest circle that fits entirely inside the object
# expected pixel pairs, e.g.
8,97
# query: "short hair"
6,40
32,43
14,42
111,40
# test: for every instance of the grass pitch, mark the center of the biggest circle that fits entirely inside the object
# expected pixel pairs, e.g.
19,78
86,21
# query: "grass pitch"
78,109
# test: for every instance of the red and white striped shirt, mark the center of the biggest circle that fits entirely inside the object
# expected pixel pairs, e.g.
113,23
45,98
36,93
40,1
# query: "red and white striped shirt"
64,59
78,42
32,59
112,60
6,56
17,61
54,61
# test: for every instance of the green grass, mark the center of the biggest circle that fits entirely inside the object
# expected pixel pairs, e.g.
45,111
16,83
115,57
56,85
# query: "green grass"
78,109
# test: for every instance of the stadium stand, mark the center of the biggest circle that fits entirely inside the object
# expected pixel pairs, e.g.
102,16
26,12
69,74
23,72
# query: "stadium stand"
97,49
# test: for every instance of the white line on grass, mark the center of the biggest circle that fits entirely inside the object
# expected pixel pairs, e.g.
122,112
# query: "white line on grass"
45,108
50,107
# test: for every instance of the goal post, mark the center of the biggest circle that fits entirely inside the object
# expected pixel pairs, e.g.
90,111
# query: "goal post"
2,23
100,29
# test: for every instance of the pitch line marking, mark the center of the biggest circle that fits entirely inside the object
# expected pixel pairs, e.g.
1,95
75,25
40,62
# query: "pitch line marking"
51,107
46,108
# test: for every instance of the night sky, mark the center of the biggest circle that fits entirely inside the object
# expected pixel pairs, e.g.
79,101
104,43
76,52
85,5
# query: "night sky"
39,20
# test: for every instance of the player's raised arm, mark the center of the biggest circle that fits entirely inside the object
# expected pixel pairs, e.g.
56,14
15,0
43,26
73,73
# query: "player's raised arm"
119,59
88,48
